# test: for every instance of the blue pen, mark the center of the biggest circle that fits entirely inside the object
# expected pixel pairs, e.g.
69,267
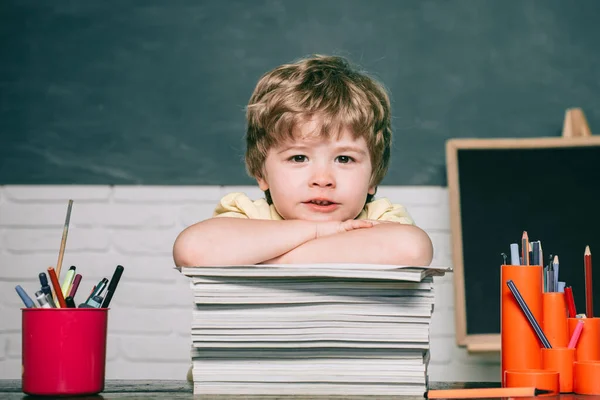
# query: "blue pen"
25,297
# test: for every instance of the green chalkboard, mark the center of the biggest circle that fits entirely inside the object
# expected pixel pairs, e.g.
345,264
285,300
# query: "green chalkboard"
153,92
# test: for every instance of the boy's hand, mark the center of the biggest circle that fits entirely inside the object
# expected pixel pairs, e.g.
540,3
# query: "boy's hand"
333,227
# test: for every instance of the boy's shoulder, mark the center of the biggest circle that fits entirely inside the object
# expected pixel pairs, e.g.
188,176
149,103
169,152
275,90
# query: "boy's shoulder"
239,205
384,210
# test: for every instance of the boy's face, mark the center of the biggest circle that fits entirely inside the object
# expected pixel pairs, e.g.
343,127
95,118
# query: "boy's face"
318,179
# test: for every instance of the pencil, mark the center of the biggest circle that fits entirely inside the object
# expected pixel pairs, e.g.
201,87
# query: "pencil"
525,248
535,246
56,286
556,266
485,393
576,334
570,302
530,317
589,300
63,241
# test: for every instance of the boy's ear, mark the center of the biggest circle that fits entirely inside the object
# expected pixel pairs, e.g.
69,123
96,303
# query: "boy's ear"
262,183
372,190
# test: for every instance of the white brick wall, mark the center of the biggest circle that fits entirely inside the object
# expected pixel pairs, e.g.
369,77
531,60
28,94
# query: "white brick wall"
150,316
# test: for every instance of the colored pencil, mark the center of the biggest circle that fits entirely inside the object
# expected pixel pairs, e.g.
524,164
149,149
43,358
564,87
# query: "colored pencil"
570,302
535,246
550,279
576,334
525,248
56,286
63,241
485,393
555,265
589,299
530,317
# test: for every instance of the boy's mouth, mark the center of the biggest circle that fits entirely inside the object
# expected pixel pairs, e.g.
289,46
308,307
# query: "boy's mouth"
322,205
321,202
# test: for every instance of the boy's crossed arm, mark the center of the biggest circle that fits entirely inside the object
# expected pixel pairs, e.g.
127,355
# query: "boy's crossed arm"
233,241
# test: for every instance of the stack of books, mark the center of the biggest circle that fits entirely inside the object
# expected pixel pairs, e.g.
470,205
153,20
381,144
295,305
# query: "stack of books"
318,329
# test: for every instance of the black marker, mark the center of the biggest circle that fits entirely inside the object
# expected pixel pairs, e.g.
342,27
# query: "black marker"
112,286
70,302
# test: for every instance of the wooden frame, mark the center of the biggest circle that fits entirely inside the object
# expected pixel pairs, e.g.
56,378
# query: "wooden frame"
576,133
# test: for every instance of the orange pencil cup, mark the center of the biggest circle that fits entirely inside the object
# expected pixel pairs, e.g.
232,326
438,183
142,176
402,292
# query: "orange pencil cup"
588,346
555,319
64,350
537,378
560,359
520,345
586,377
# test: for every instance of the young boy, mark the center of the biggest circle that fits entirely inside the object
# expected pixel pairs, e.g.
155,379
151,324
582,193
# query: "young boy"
318,144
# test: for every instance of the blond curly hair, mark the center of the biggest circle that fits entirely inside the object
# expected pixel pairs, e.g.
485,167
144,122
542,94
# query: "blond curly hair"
329,88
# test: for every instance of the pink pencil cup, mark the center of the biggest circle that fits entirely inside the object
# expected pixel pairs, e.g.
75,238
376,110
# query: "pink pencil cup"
64,351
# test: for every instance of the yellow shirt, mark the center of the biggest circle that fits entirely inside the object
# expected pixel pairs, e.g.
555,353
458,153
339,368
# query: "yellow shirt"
238,205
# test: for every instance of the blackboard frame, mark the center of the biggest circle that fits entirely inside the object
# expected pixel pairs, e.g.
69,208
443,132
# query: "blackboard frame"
485,342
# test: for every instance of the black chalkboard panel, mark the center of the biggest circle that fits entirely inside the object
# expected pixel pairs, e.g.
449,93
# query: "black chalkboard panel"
153,91
551,192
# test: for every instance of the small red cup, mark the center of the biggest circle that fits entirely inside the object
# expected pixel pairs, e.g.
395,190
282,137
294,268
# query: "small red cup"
64,350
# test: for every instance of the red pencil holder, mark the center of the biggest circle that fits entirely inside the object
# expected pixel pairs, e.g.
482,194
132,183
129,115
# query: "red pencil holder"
64,351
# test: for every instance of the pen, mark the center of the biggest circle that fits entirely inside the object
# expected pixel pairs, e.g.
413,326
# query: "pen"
44,282
41,298
99,288
57,292
50,300
66,286
70,302
75,285
530,317
94,302
112,286
25,297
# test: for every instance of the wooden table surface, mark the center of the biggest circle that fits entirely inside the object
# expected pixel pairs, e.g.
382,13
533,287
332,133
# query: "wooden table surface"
10,389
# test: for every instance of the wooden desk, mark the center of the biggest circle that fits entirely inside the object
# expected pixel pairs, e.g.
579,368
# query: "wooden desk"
138,389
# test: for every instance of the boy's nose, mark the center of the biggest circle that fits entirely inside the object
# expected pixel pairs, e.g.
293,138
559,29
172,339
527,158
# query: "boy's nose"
322,177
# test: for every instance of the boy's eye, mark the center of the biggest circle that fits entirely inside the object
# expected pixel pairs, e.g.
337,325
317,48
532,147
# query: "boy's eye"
344,159
298,158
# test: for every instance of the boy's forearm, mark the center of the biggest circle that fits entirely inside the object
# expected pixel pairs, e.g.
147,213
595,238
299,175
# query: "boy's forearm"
232,241
393,244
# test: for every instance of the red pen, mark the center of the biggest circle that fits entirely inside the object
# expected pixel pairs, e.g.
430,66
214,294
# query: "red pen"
57,291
